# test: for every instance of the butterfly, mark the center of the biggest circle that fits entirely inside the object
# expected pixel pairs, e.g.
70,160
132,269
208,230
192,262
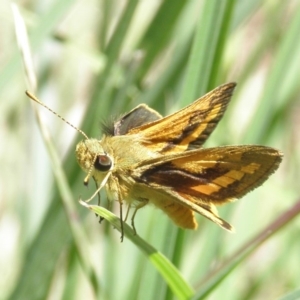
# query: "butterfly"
144,158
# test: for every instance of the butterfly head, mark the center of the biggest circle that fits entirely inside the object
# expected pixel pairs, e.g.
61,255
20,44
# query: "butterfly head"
93,159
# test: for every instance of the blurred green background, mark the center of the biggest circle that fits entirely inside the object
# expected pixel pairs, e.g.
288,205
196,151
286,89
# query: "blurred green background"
95,59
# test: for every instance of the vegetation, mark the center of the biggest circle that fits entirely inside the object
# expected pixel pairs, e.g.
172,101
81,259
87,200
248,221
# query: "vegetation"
95,59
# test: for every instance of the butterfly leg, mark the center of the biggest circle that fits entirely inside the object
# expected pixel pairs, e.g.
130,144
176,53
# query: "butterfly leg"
142,203
121,219
99,199
127,213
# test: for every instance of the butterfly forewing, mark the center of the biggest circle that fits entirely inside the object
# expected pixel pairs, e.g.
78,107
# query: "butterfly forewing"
188,128
214,174
200,179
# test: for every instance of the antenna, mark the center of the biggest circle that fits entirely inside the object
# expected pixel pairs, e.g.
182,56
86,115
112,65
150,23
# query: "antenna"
34,98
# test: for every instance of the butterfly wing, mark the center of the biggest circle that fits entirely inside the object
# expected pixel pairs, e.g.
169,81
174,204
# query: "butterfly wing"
213,174
188,128
140,115
200,179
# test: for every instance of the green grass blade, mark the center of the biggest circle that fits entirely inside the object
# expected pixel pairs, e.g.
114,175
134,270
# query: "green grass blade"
177,284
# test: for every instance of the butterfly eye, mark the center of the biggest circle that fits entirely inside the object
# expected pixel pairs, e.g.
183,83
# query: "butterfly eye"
102,163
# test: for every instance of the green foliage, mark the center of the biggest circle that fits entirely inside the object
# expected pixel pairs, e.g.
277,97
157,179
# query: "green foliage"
96,59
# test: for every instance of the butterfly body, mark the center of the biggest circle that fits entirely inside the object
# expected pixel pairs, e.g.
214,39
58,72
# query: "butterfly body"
125,181
144,158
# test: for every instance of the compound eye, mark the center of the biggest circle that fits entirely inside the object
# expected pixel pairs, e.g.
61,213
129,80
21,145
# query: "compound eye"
103,163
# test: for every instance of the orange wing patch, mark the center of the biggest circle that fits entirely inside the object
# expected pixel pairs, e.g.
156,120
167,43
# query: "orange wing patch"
206,189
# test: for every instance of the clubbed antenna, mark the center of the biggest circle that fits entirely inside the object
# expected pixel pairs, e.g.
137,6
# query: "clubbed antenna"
34,98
